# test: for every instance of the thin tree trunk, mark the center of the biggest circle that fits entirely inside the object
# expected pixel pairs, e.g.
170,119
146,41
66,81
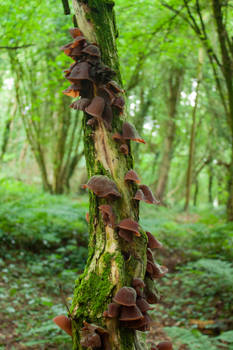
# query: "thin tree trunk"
109,267
174,83
193,132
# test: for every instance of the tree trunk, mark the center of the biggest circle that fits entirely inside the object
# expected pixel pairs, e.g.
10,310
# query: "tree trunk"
170,127
192,136
111,263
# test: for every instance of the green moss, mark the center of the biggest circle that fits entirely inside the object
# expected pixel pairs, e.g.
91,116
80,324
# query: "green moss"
127,338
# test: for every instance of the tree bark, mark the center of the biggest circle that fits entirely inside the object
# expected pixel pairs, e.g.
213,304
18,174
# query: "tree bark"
111,264
174,84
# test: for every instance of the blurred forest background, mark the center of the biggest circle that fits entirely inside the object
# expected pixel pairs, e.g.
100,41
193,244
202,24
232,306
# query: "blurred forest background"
177,73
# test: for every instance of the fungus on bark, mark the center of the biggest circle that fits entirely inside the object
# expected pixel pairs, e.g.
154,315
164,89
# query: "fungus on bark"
143,305
80,104
126,296
145,194
153,243
113,310
96,107
129,132
126,235
64,323
102,186
131,175
130,225
107,215
92,50
164,345
130,313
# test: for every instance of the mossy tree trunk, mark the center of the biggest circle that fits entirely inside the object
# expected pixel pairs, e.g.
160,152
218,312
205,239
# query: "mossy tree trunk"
111,263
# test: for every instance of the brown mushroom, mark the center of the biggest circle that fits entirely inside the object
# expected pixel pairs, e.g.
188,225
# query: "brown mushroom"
124,149
126,235
92,50
96,107
126,296
149,197
139,196
107,215
72,91
79,72
136,324
164,345
130,225
117,136
130,133
66,48
131,175
149,254
114,87
138,282
102,186
119,103
64,323
153,243
74,32
107,94
80,104
90,339
113,310
143,305
79,41
150,291
130,313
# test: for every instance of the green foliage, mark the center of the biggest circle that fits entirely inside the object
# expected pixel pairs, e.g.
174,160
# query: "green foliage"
31,218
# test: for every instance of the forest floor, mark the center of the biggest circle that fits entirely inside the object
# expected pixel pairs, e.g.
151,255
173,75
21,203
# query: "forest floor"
41,256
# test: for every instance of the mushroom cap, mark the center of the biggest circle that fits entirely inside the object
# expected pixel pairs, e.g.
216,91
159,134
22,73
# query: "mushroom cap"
149,197
130,225
79,41
143,305
106,93
153,243
151,297
124,149
119,102
130,313
139,196
107,214
149,254
117,136
114,86
131,175
164,345
113,310
155,270
126,296
81,104
72,91
126,235
74,32
96,107
102,186
138,282
92,50
130,133
135,324
64,323
79,72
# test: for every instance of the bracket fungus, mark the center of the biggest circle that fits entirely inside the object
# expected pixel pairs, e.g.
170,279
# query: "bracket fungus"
80,104
130,225
131,175
145,194
130,133
130,313
107,215
153,243
64,323
102,186
126,296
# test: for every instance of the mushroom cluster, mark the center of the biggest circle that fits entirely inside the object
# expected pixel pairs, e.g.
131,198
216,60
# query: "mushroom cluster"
100,96
91,80
130,307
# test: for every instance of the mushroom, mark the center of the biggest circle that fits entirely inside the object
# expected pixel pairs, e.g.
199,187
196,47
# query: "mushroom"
130,313
64,323
149,197
143,305
113,310
126,296
126,235
90,339
107,94
149,254
114,86
72,91
96,107
130,225
80,104
139,196
150,291
155,270
79,41
79,72
92,50
138,284
124,149
130,133
153,243
119,102
102,186
164,345
75,32
131,175
107,214
138,324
